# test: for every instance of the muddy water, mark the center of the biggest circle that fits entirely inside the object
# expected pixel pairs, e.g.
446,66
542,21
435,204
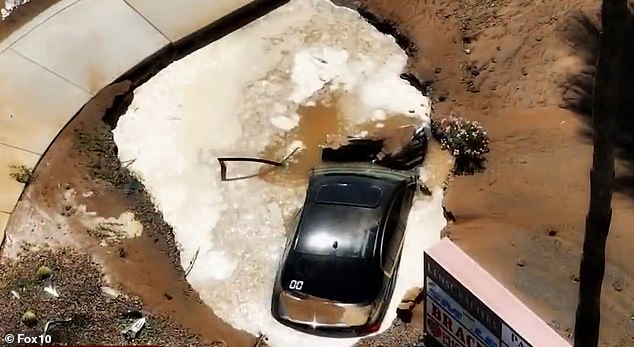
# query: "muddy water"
327,122
317,124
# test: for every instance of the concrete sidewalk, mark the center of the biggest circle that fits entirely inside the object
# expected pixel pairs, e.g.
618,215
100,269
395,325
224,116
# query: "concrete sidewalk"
54,61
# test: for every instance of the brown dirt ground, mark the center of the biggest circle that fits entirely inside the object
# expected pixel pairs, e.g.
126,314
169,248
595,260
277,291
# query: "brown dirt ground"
501,62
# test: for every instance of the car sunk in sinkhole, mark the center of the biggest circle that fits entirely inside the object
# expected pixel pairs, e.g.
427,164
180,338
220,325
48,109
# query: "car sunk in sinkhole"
338,271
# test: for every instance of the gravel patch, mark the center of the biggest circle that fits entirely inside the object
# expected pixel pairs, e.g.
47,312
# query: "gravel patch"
96,317
399,334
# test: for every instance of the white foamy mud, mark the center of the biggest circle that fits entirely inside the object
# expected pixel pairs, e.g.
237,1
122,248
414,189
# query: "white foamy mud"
232,98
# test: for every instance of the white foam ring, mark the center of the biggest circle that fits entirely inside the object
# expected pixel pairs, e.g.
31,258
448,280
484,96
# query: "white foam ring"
222,100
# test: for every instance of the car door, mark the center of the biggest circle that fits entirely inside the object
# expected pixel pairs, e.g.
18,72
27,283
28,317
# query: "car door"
390,247
392,239
291,232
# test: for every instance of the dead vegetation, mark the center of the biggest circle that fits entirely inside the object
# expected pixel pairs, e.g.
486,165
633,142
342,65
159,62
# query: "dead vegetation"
21,173
101,148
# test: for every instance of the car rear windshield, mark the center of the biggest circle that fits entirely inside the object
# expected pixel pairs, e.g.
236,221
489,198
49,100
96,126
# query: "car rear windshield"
337,230
360,195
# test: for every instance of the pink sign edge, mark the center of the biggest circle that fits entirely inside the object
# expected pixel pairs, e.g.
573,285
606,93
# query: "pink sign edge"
494,295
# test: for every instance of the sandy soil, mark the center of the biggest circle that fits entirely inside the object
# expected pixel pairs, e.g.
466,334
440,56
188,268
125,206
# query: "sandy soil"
504,63
501,62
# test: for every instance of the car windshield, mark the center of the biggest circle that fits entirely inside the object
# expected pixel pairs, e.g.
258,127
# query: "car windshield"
361,195
338,230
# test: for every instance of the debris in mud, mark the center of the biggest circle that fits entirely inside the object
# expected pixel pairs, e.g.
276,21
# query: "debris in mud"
449,216
52,323
261,341
191,263
404,311
133,330
520,262
132,314
403,148
424,189
52,291
274,164
552,232
110,292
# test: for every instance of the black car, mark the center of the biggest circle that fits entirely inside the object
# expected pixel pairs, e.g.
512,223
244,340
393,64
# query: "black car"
339,267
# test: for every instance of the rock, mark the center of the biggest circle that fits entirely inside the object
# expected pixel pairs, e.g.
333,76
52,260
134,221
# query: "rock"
617,285
412,294
52,291
438,70
575,278
425,190
405,306
132,314
552,232
520,262
44,272
110,292
15,294
261,340
29,319
404,311
449,216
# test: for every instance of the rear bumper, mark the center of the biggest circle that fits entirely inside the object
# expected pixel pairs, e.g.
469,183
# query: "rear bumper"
344,329
324,331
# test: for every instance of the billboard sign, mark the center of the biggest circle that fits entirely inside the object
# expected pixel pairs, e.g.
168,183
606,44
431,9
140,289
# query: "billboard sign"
466,307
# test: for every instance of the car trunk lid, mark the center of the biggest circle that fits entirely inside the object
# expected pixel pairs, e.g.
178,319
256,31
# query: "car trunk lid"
340,279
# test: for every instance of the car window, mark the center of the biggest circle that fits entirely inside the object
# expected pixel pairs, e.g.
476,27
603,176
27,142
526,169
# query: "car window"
392,237
360,195
337,231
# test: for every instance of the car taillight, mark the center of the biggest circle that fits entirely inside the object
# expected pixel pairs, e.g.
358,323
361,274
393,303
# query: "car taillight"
372,328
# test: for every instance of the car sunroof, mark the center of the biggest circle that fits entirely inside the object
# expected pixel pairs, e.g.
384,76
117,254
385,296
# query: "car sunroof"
360,195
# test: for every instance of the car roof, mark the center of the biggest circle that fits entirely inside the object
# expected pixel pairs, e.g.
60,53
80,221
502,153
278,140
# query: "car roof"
342,214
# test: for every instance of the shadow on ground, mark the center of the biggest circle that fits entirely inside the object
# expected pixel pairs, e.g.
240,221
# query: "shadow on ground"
582,33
